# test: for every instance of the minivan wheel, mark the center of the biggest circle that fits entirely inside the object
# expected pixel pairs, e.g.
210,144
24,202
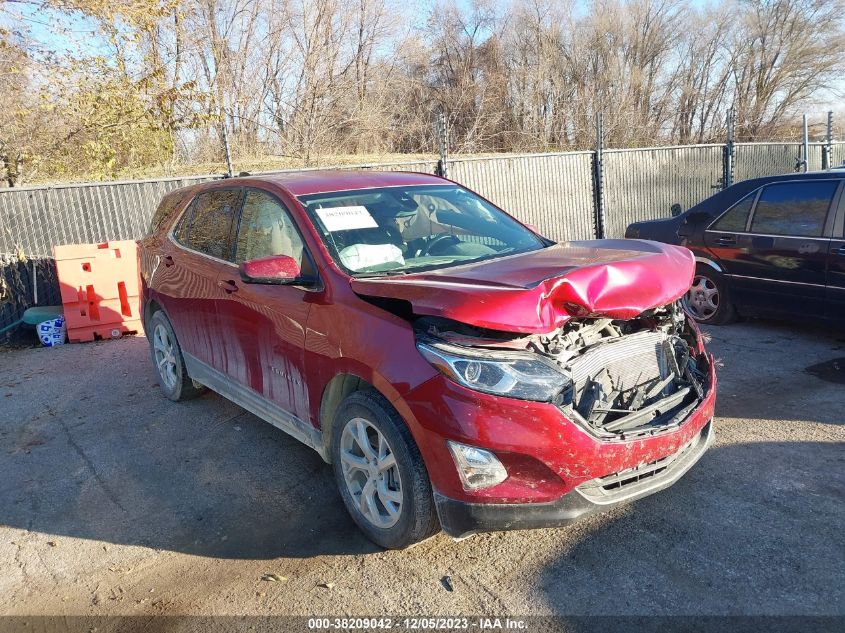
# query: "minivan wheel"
380,472
708,300
167,358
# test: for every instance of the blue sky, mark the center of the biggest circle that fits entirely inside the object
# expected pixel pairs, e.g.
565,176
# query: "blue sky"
61,35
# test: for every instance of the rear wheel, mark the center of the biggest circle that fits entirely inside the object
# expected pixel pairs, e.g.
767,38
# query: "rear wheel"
708,299
167,358
380,472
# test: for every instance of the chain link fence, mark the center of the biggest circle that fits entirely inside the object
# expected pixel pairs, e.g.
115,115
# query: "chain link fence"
552,192
556,193
643,184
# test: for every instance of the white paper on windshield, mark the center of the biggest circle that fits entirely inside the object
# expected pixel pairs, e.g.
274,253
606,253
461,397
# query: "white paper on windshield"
346,218
360,256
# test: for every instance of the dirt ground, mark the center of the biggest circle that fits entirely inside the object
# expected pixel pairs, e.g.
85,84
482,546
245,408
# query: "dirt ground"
115,500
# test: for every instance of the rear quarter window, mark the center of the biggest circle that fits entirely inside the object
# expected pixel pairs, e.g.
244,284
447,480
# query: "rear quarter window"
166,207
736,218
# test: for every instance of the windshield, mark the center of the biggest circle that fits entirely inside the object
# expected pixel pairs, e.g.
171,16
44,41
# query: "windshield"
395,230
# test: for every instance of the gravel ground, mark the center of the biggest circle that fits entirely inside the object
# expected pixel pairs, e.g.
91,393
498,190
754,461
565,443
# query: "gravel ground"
115,500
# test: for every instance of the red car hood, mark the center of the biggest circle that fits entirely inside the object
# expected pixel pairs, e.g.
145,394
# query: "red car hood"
539,291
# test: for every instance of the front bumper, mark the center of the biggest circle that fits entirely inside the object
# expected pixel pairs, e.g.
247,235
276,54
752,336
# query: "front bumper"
546,454
461,518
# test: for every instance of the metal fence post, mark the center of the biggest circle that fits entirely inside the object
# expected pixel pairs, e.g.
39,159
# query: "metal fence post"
598,180
728,152
442,126
827,150
804,160
229,170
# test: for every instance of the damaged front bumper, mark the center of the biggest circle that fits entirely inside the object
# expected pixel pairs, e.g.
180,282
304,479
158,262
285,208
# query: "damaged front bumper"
634,414
462,518
558,468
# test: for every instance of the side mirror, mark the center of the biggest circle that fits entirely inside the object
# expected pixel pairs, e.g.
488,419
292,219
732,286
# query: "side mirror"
676,210
277,269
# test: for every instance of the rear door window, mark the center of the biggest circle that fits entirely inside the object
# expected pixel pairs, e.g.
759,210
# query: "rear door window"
736,218
794,208
211,223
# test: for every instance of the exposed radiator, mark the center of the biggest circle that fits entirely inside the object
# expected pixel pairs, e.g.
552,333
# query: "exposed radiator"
630,361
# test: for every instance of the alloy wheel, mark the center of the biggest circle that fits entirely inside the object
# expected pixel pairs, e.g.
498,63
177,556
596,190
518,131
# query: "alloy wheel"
371,473
165,355
702,300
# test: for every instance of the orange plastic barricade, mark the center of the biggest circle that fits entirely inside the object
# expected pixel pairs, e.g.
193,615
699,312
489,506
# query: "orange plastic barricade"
99,288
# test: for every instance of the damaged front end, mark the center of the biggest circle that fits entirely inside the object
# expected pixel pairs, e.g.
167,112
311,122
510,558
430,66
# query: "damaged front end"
615,378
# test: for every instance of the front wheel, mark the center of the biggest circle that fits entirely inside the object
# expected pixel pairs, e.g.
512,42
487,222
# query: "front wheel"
380,472
708,299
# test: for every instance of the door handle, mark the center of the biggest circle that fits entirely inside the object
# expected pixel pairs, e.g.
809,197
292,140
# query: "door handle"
228,286
168,261
726,240
838,251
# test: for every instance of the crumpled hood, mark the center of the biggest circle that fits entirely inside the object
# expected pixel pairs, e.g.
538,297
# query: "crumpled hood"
539,291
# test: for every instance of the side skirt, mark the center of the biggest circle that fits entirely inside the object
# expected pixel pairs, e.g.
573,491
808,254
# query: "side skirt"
254,403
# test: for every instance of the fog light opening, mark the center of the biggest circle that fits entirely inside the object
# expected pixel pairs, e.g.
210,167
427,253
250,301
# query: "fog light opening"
477,468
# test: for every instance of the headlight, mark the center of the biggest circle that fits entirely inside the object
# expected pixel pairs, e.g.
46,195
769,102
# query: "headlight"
514,374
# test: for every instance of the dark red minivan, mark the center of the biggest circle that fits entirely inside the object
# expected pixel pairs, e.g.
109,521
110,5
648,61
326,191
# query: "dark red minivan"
457,370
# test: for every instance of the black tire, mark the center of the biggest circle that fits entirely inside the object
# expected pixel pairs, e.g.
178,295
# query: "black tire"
707,280
418,517
182,388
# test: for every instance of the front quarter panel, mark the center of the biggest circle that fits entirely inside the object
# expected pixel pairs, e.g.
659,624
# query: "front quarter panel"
347,335
665,231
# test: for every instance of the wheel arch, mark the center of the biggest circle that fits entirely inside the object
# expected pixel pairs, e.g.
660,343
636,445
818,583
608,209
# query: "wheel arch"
334,393
726,310
706,261
152,306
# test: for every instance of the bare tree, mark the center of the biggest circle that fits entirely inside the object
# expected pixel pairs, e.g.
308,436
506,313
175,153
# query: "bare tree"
317,78
782,52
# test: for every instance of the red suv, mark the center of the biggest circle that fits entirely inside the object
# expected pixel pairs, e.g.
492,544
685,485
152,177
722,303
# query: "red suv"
455,368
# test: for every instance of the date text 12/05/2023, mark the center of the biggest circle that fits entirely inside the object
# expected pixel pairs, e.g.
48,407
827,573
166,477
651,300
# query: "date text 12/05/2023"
419,623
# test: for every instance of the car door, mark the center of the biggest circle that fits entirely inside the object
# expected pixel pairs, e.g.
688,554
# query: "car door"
777,265
726,238
835,287
264,324
198,252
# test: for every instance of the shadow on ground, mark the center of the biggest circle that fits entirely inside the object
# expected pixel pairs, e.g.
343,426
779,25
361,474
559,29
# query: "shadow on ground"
769,371
752,529
94,451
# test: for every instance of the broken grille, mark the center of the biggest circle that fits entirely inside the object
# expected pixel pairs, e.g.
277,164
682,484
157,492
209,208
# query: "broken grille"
630,481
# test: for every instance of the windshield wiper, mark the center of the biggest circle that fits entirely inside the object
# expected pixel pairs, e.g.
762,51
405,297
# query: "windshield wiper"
374,273
459,262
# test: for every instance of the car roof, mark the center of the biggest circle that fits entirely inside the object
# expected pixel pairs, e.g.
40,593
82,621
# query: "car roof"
806,175
306,182
720,201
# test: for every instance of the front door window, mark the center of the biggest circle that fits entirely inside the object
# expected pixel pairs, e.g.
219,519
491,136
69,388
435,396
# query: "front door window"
266,230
